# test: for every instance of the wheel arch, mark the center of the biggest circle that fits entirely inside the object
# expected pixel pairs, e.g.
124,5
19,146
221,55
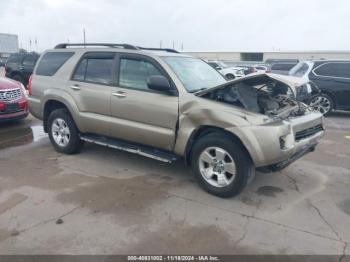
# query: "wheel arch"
332,96
205,130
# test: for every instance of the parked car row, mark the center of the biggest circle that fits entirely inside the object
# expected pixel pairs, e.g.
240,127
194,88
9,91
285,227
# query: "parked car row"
230,72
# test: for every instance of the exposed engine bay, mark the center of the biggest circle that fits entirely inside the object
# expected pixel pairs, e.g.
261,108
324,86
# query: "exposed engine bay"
261,95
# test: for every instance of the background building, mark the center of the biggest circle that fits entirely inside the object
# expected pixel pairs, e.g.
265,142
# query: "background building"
8,45
263,56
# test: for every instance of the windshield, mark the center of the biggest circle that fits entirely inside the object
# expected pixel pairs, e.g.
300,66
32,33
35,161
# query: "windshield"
194,74
299,70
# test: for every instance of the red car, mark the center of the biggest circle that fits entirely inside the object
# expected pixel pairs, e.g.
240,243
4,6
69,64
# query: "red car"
13,101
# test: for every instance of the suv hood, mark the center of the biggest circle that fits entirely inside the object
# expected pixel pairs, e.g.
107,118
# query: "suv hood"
268,94
292,81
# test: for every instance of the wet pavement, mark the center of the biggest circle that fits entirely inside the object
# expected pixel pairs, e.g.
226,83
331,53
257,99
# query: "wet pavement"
103,201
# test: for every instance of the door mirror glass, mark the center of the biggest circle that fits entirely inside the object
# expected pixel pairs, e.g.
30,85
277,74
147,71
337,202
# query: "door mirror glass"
158,83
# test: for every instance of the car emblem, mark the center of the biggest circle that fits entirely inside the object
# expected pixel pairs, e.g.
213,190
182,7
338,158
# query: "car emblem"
9,95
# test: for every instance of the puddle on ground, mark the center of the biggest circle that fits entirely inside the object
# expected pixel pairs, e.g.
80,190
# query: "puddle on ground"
269,191
21,136
345,206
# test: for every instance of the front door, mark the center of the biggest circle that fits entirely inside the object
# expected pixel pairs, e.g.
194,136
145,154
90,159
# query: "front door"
139,114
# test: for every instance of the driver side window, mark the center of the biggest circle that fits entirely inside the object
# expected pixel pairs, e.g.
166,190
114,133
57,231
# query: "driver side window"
134,73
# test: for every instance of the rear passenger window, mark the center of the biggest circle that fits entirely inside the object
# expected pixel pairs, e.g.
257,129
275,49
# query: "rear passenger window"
135,73
334,70
95,69
51,62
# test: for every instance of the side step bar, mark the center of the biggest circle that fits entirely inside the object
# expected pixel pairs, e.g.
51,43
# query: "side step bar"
150,152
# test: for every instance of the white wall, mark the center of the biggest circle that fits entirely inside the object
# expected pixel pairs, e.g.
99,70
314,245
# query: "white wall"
305,55
8,43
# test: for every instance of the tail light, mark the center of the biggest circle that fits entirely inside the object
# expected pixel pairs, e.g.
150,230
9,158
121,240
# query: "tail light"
29,87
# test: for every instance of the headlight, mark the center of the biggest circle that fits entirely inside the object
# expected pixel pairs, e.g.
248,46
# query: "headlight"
24,91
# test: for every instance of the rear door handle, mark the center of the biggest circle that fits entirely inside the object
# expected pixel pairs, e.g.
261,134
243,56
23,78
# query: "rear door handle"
119,94
75,87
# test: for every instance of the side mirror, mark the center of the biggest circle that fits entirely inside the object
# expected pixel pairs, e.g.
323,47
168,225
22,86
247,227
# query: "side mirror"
159,83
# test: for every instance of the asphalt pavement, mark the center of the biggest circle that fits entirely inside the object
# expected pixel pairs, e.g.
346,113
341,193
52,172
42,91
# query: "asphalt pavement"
103,201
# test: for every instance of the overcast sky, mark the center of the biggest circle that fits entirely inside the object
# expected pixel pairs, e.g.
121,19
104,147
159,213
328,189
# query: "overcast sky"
214,25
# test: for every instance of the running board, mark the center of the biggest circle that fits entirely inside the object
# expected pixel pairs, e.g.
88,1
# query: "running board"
146,151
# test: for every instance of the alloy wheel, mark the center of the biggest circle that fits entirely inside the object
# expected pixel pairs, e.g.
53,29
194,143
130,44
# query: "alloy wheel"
60,132
217,166
321,104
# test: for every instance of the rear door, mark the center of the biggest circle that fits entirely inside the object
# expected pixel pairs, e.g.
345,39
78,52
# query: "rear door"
91,86
139,114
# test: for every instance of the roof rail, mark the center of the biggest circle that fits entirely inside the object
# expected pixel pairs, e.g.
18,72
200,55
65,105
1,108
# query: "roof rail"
158,49
125,46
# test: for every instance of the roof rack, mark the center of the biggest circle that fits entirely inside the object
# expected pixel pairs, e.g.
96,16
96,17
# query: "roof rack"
158,49
125,46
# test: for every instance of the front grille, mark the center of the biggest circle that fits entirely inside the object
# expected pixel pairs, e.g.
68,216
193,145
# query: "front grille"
308,132
10,95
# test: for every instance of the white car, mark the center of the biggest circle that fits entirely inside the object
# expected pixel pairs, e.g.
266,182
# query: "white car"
230,72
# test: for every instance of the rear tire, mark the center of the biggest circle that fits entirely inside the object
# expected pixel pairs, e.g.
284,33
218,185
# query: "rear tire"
221,165
63,133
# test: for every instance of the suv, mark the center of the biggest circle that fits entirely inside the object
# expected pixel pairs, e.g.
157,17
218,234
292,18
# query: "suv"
165,105
332,77
20,66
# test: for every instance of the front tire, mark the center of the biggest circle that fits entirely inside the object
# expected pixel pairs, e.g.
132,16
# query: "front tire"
322,103
63,133
221,165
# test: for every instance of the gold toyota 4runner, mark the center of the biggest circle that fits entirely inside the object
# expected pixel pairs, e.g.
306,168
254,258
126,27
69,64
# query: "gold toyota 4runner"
166,105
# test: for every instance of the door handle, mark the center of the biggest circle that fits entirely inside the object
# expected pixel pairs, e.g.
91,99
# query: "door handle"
119,94
75,87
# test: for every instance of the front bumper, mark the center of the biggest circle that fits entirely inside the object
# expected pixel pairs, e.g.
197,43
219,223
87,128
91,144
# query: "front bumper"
281,165
279,144
14,116
20,111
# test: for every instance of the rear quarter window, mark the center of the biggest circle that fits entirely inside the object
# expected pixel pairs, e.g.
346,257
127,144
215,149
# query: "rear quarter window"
51,62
